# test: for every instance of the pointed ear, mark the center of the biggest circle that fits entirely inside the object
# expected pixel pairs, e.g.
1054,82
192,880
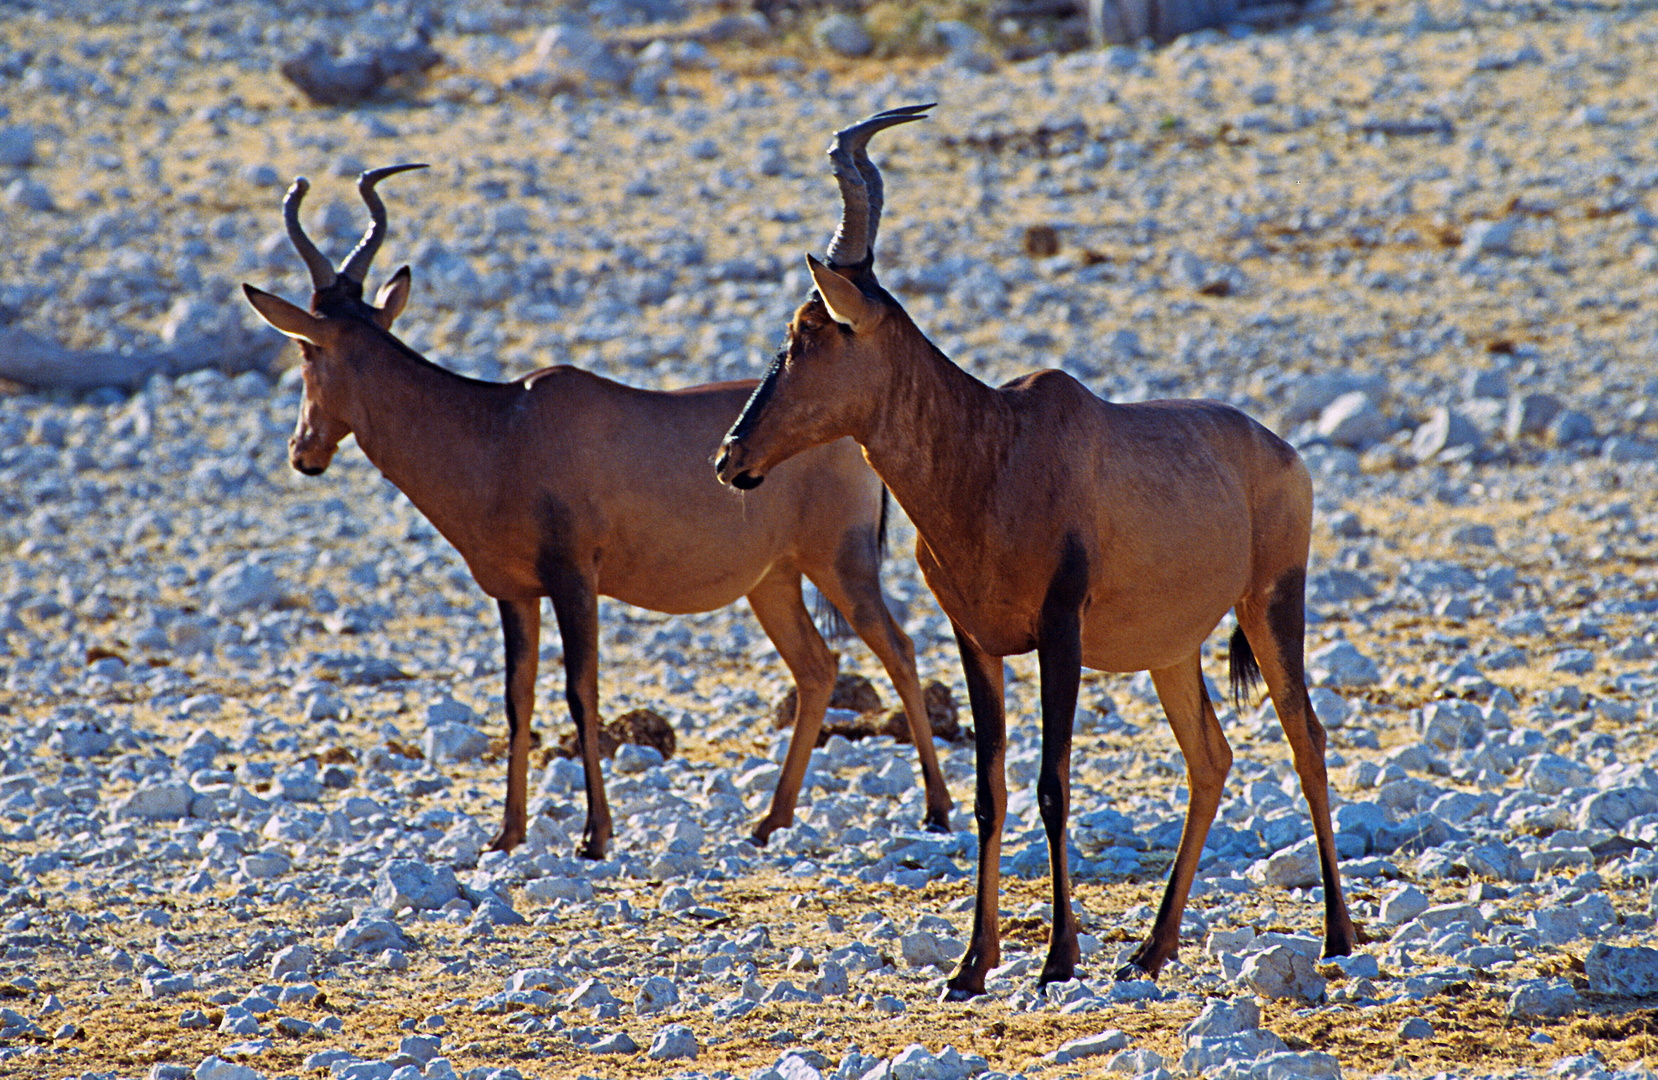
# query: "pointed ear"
393,297
846,304
294,321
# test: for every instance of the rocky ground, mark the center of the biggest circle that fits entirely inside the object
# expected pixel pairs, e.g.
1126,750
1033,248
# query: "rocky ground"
249,721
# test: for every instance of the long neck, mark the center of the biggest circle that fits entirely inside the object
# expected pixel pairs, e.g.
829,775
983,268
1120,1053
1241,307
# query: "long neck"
938,440
424,428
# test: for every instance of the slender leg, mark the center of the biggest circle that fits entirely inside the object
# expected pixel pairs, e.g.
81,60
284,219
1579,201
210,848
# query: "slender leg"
855,590
521,627
1059,662
1276,632
781,609
1208,760
983,673
576,606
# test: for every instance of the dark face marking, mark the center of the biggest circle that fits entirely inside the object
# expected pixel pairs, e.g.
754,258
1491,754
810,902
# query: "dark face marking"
756,404
342,299
316,434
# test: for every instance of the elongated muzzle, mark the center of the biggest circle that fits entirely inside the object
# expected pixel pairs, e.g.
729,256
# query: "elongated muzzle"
731,468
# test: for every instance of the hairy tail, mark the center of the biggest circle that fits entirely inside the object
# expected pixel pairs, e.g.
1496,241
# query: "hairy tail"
881,529
1245,673
830,622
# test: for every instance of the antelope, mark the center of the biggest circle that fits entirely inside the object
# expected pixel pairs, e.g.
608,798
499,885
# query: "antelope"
1114,536
565,484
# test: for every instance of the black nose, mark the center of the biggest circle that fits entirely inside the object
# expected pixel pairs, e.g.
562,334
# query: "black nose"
746,481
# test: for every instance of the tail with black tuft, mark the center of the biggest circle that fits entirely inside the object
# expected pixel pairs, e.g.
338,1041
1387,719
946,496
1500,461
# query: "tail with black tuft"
1245,673
830,622
881,529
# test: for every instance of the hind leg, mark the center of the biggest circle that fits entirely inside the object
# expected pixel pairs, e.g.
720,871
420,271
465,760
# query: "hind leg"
855,590
781,609
1208,760
1276,627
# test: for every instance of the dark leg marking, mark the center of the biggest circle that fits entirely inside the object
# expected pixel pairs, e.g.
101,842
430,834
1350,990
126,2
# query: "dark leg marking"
1059,656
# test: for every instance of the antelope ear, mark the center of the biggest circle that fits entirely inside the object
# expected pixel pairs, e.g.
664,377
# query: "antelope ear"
846,304
393,297
294,321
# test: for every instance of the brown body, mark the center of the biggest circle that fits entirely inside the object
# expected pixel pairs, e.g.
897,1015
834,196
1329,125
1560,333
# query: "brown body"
572,486
1109,536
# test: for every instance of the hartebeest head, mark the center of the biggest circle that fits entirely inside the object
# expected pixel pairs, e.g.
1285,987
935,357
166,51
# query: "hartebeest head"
843,344
336,302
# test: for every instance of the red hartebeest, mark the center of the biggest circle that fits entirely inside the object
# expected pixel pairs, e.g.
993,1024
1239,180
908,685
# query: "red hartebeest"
1112,536
567,485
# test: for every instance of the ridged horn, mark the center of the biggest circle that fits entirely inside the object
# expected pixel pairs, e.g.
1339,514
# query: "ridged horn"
322,271
860,184
357,263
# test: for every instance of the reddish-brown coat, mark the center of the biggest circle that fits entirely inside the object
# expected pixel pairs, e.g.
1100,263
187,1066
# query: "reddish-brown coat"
571,486
1112,536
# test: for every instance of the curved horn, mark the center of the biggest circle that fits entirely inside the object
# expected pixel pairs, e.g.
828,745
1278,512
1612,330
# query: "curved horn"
860,184
357,263
322,271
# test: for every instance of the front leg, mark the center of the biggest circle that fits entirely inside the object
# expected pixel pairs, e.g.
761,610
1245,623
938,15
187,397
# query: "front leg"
521,627
1059,660
576,606
983,673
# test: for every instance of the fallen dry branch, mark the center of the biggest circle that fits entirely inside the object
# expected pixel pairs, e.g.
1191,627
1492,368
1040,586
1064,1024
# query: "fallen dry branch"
39,363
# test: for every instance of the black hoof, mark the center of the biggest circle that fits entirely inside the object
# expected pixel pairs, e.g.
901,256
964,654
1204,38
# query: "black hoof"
757,839
1131,972
960,993
937,825
506,839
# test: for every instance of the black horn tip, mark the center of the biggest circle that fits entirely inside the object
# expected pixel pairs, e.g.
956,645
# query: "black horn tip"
869,125
374,176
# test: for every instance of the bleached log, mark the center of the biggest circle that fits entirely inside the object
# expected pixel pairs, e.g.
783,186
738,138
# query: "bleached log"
39,363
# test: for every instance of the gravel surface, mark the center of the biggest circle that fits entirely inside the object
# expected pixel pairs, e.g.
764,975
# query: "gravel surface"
250,725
